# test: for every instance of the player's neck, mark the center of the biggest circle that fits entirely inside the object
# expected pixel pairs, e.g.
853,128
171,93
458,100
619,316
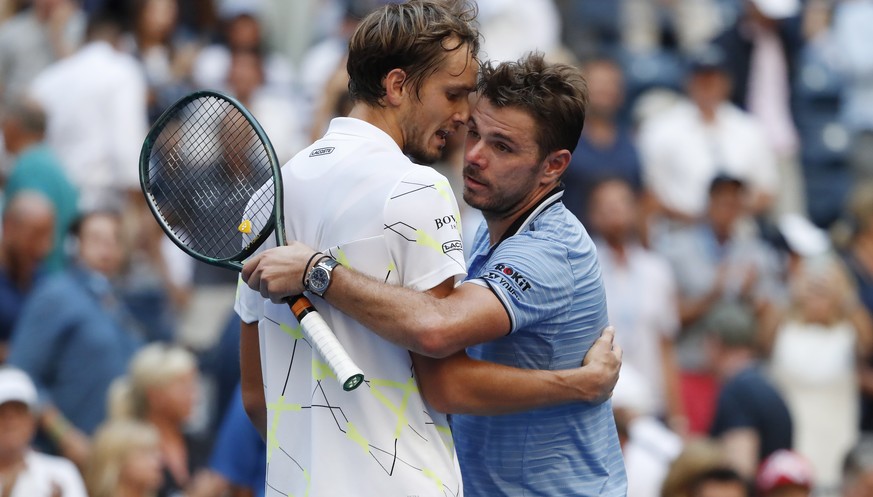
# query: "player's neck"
381,118
500,221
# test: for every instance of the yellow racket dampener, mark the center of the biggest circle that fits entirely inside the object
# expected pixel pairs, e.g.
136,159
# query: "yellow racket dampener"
245,226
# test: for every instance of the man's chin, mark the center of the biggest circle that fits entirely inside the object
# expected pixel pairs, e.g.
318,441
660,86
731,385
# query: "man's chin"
425,158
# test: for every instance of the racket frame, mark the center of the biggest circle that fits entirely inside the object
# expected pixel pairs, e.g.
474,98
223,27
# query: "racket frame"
276,221
299,304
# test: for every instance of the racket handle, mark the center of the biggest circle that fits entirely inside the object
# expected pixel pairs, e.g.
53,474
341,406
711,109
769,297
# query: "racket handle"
325,342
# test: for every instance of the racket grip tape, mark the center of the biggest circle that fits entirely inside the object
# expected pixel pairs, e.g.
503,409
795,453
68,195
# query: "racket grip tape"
325,342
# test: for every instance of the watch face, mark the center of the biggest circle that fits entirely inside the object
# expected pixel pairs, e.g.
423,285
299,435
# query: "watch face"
319,279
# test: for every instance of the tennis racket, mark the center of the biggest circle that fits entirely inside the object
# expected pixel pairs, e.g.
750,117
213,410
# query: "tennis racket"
210,177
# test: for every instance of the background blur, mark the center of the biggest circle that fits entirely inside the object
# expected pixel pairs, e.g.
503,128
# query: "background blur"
724,171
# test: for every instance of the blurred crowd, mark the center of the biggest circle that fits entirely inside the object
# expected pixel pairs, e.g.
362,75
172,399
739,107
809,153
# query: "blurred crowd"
725,172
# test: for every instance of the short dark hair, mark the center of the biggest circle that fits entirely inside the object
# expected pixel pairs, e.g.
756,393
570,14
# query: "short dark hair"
726,180
107,24
75,229
555,95
720,475
415,36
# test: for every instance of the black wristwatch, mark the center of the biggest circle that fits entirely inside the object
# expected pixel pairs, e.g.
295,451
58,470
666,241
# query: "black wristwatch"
318,279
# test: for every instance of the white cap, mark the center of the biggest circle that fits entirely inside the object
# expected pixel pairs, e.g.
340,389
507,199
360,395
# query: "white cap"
803,237
16,386
778,9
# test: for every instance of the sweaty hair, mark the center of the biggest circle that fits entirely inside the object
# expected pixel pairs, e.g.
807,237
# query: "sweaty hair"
415,36
555,95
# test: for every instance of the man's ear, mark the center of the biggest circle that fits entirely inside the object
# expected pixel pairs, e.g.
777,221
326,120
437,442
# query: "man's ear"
395,89
555,165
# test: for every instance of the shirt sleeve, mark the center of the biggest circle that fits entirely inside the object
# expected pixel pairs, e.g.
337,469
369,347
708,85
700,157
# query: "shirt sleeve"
532,277
38,333
731,412
423,231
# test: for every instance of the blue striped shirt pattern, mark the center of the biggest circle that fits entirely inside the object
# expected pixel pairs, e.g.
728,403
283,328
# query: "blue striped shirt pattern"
547,276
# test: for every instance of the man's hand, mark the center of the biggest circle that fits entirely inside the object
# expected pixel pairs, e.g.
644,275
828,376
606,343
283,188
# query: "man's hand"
278,273
600,368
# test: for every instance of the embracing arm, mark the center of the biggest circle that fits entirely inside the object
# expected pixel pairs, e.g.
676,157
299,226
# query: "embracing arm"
460,385
421,322
437,326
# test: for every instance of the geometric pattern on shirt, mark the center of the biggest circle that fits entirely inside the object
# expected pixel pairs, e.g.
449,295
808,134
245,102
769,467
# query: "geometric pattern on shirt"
386,457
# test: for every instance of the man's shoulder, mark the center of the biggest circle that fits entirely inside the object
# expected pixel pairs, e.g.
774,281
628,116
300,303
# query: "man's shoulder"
61,288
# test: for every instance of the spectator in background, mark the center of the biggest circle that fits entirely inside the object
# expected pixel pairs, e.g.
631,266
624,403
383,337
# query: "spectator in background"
683,25
166,57
606,147
713,262
784,474
853,37
858,257
858,469
698,456
156,285
28,221
241,31
324,61
334,101
647,445
276,111
814,362
25,472
511,28
44,33
74,337
238,465
685,147
719,482
761,49
38,168
859,251
161,388
648,326
125,461
97,124
751,419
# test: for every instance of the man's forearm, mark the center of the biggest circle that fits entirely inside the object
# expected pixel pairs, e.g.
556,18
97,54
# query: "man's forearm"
413,320
437,323
461,385
251,377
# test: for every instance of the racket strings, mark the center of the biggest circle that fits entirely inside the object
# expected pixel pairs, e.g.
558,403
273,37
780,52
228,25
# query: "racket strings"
208,170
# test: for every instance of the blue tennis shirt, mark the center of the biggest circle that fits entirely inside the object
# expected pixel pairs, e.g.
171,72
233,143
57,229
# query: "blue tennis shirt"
546,274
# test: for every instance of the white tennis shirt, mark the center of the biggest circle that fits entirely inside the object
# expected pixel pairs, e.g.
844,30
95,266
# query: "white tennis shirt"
354,195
